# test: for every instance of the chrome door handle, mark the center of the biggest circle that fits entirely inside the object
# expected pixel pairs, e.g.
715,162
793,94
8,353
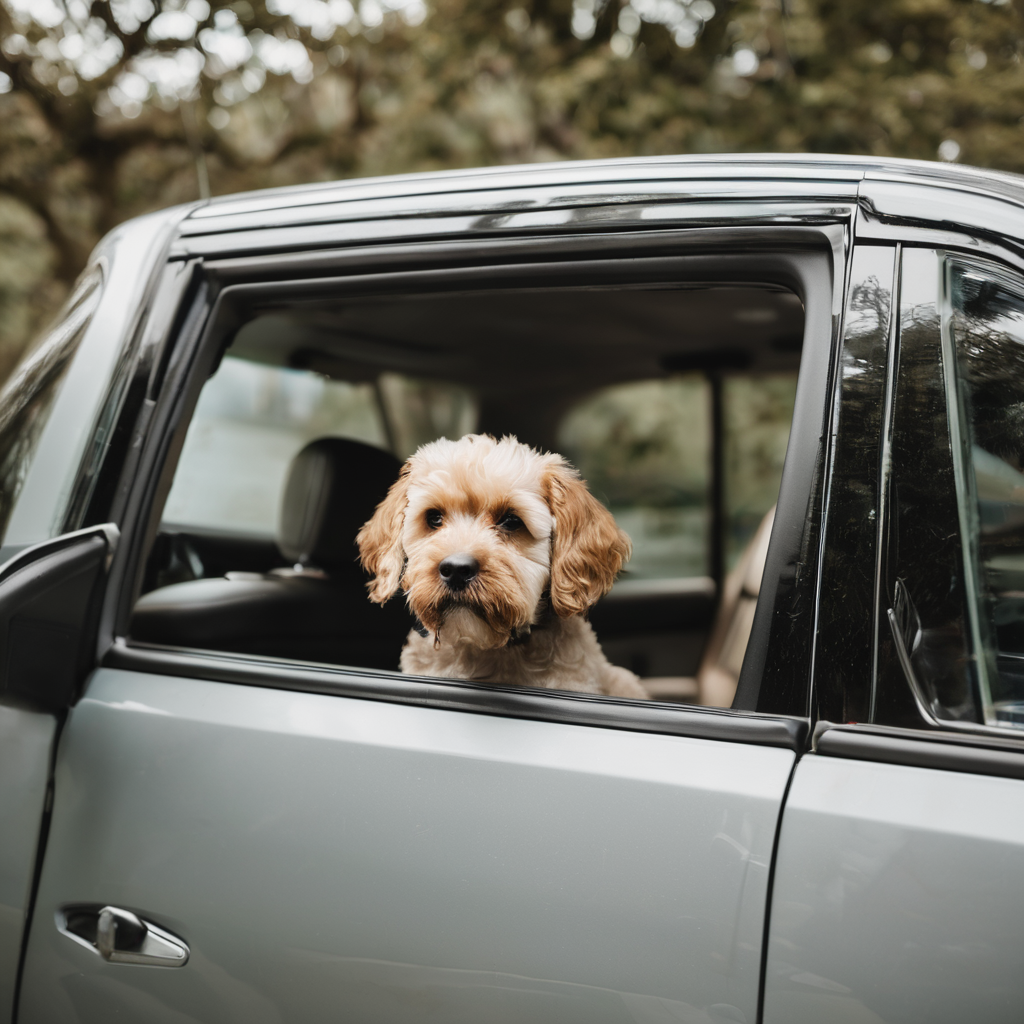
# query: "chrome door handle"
121,936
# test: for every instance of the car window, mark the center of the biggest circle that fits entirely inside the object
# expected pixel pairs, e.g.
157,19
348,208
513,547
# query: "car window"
757,412
252,419
925,669
985,326
299,436
28,395
645,449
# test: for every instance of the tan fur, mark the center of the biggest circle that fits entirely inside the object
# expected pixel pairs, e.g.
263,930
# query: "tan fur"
568,545
380,540
589,548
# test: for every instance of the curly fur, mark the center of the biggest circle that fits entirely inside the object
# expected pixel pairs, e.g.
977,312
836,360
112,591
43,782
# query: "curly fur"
519,621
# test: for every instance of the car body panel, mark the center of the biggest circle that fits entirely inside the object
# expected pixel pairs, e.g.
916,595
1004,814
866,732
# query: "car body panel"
896,897
325,856
893,206
26,744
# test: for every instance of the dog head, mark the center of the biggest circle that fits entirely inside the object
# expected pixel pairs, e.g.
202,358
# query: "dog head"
477,531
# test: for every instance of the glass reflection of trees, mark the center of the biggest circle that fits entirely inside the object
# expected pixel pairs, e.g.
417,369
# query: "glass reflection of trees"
844,641
29,393
987,327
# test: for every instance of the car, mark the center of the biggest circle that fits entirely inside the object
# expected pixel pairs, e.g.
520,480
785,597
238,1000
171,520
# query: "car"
796,381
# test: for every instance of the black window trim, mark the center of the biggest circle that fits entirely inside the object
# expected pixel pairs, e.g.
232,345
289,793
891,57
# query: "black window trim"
797,253
834,503
562,706
978,753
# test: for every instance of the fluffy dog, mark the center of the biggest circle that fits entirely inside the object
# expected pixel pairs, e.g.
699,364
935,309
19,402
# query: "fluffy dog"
500,550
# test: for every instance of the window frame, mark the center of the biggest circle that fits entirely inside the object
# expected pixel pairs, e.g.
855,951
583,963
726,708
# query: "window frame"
799,257
844,656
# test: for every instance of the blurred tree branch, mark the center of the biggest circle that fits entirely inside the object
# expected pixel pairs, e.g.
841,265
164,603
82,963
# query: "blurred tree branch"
109,108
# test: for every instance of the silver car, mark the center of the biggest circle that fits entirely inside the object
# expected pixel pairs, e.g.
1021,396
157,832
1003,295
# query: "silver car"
797,382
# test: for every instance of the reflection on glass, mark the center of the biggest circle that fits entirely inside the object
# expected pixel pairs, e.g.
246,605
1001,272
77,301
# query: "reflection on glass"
28,394
844,644
986,320
925,664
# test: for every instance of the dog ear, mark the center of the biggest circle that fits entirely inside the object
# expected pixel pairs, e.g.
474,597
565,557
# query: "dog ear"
380,540
588,549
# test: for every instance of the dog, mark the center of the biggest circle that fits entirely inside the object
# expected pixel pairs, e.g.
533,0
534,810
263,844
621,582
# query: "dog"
501,550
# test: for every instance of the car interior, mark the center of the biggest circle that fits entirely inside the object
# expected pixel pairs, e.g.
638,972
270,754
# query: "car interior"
673,400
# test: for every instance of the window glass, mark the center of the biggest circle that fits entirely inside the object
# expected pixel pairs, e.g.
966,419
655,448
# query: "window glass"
757,414
28,395
252,419
675,408
986,327
419,411
250,422
644,450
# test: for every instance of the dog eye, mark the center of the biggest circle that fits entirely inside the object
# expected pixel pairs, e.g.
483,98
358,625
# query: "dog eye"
434,518
510,522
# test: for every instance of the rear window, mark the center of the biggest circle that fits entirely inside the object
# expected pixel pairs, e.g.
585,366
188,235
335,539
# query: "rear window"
252,419
646,450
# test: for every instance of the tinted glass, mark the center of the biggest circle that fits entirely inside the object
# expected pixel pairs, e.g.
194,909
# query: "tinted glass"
27,396
925,669
844,646
986,327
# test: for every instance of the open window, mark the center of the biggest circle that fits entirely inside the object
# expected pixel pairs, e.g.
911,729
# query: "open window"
673,398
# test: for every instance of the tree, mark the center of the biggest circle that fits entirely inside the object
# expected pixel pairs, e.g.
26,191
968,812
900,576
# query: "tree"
109,109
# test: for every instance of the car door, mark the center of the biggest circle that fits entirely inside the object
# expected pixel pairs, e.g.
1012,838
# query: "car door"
52,574
897,894
238,839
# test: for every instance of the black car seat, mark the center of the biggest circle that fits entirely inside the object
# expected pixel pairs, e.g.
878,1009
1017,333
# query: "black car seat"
316,611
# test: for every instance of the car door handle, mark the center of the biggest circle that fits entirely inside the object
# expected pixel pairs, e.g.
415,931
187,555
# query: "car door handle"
121,936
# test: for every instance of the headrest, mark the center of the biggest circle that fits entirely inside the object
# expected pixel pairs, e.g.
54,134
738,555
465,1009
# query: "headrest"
333,487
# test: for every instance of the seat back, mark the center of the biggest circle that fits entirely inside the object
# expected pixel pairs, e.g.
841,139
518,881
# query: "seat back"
719,670
318,610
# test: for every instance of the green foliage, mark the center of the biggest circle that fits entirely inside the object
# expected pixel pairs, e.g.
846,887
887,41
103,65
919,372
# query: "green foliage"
758,412
109,109
644,443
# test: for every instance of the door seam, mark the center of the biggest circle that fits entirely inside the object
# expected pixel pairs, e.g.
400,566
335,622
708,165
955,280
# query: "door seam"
763,977
37,869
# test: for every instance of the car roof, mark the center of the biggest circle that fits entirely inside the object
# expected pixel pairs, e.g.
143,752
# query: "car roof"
631,174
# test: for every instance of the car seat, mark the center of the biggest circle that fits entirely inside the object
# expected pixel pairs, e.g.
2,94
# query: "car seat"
316,611
719,670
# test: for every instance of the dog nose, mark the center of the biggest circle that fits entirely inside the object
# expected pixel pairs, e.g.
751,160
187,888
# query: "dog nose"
458,570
